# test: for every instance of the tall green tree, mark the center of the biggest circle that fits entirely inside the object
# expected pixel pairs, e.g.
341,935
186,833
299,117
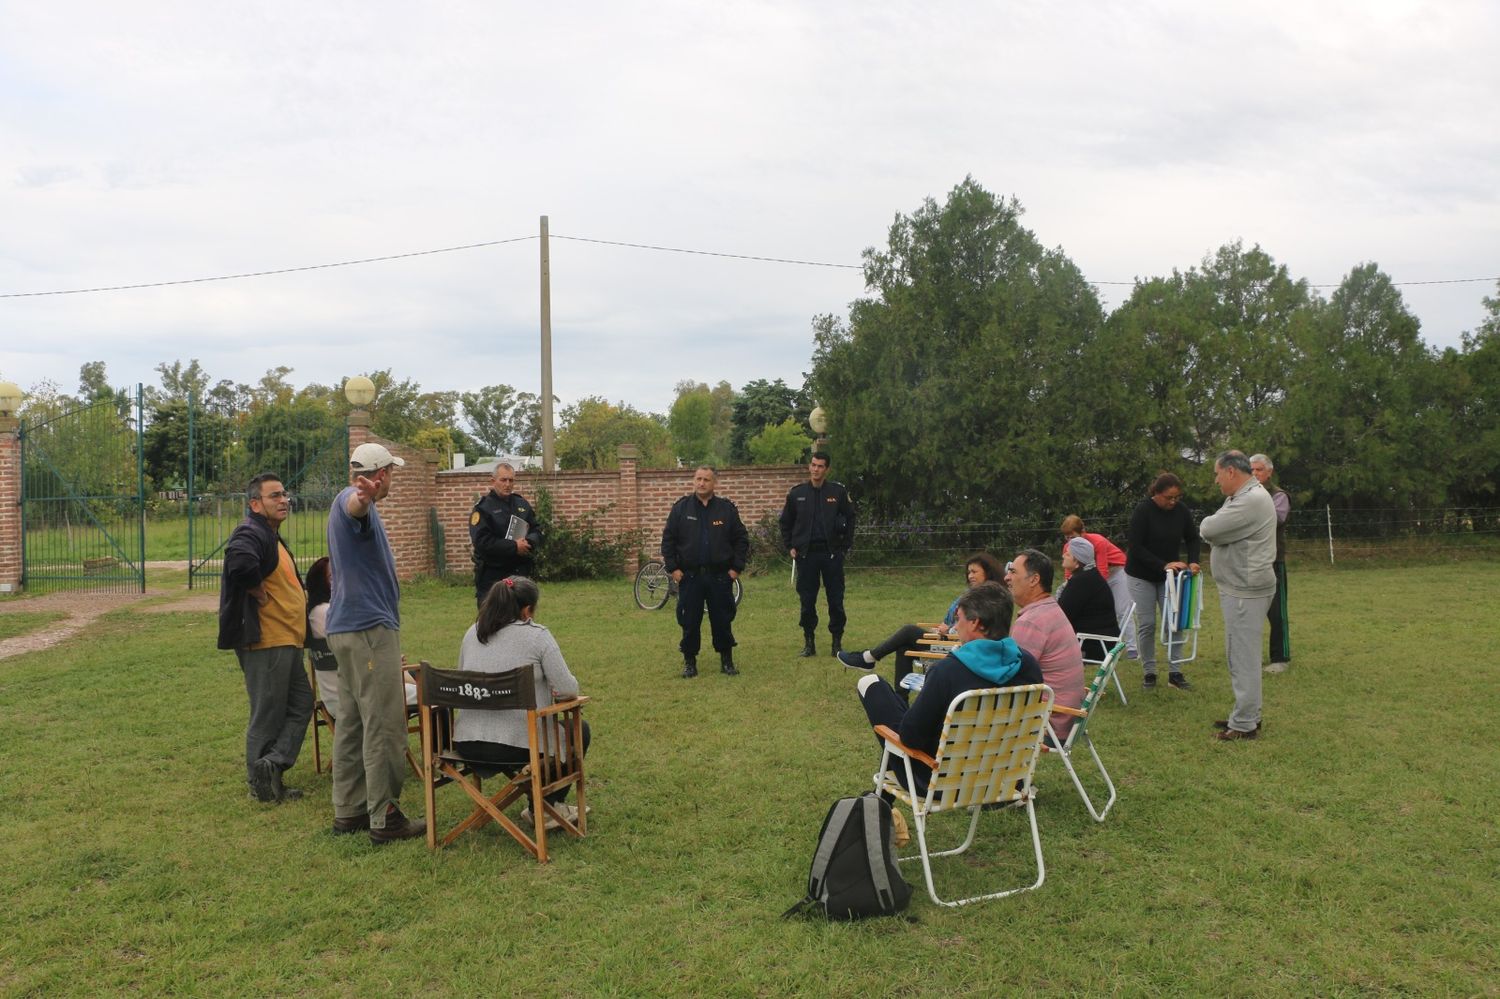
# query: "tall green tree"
783,443
1474,380
973,361
1366,425
593,430
762,404
691,424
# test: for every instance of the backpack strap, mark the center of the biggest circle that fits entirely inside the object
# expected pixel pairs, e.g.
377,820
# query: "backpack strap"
837,816
875,850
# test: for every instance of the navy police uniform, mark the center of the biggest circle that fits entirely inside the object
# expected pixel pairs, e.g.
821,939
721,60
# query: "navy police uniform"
819,523
705,541
495,555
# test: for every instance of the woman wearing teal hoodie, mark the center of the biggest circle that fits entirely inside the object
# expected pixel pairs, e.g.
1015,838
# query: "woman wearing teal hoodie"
986,657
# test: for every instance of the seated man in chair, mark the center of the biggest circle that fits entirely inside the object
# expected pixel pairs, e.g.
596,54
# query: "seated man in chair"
505,637
986,657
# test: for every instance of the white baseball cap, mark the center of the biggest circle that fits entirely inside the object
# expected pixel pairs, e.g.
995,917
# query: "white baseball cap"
372,458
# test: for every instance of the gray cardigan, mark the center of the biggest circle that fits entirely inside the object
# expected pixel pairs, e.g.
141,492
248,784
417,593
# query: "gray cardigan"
1243,534
521,643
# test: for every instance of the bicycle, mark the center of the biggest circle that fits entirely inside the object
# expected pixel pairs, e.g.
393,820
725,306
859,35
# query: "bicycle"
654,586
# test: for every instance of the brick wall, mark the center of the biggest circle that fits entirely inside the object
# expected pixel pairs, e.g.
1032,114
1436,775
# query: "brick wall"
636,498
10,505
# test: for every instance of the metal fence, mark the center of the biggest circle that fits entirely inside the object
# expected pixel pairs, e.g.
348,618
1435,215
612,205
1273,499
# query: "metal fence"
82,498
306,446
1324,534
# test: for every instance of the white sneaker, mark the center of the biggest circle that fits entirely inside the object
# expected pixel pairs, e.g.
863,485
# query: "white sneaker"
1276,667
570,812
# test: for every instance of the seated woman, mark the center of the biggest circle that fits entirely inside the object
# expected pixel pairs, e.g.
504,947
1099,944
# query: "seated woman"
981,567
986,657
325,666
507,637
1085,598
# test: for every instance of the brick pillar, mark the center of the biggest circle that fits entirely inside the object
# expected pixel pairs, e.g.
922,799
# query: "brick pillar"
10,504
359,428
627,503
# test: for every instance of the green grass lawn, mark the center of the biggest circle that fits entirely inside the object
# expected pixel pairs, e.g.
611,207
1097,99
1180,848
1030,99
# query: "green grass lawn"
15,624
1351,850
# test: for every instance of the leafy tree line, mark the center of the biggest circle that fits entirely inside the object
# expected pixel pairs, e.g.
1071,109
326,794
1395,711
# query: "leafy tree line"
235,430
982,380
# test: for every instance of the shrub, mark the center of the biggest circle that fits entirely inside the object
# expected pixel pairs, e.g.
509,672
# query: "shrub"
579,549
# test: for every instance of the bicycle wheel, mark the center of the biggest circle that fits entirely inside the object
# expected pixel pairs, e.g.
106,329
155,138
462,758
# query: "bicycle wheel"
652,586
739,591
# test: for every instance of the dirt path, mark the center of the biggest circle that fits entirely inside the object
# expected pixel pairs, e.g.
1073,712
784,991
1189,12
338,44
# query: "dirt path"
82,609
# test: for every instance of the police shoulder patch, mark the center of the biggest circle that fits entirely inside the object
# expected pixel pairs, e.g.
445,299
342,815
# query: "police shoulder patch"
474,519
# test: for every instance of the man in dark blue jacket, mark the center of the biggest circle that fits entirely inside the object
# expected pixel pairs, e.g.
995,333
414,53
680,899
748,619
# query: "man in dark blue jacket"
986,657
263,618
499,551
705,547
817,528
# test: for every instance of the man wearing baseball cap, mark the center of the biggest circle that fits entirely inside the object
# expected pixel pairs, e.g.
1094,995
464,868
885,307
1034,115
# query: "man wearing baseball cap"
364,632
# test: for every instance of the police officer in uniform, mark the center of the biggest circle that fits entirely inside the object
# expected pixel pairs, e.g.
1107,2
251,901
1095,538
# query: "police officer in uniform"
496,555
705,546
817,528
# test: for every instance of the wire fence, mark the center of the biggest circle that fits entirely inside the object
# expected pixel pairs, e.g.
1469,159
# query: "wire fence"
1327,535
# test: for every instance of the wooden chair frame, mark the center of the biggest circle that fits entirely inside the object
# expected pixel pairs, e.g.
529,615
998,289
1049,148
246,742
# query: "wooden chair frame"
1080,732
986,755
555,739
321,719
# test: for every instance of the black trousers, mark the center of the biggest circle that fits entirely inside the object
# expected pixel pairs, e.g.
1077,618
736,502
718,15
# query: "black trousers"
700,589
884,706
902,642
1281,641
826,568
509,760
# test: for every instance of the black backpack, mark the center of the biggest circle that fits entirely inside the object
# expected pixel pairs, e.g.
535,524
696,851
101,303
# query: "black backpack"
854,871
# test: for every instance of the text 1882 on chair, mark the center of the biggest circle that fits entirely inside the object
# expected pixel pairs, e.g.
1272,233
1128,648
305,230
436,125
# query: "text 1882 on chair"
986,755
556,754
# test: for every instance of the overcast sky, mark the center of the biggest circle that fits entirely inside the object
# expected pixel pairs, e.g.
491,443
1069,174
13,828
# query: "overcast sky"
156,141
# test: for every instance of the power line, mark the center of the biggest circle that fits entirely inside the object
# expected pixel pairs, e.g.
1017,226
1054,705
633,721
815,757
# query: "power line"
577,239
710,253
251,274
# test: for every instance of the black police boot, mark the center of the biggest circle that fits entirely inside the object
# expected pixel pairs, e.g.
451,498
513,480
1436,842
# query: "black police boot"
726,664
838,643
689,667
808,648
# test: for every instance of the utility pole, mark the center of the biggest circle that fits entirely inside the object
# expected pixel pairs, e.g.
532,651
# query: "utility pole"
548,456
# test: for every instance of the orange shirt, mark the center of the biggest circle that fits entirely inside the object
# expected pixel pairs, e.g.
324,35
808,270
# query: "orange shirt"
283,617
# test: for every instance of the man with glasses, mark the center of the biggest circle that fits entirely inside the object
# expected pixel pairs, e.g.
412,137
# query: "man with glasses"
1159,527
263,618
504,533
364,632
1243,535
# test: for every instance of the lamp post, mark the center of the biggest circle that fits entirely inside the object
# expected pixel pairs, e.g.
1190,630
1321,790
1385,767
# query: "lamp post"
818,421
360,392
10,400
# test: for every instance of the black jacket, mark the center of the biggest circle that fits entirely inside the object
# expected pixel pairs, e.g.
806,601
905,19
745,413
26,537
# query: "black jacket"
682,538
494,554
829,504
1156,538
250,555
1089,604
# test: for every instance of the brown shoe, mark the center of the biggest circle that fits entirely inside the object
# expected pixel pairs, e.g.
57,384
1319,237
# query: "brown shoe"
344,825
397,826
1231,734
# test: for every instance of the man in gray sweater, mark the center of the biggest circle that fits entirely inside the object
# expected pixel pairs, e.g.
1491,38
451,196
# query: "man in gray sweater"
1243,535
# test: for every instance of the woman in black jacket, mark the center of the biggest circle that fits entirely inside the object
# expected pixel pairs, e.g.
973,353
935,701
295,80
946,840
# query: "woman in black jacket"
1086,598
1160,526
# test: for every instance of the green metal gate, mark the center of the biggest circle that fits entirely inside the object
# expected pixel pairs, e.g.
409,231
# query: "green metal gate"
83,511
302,441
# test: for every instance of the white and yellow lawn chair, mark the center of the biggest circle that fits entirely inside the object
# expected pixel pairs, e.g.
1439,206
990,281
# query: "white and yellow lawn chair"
1108,641
986,755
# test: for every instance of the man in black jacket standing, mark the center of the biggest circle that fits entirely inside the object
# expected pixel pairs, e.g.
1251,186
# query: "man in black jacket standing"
817,528
263,618
496,553
705,546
